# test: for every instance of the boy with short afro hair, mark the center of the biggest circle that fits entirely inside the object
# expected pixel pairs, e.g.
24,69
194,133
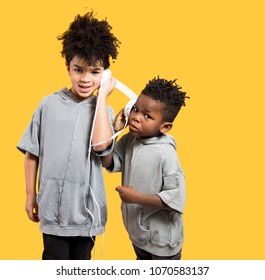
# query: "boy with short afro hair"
153,185
71,203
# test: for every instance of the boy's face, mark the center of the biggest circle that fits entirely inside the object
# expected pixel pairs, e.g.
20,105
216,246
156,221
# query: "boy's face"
85,78
146,118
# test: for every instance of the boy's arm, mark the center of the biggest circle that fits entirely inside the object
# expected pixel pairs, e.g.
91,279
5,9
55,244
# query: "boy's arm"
119,123
102,129
107,160
31,169
130,195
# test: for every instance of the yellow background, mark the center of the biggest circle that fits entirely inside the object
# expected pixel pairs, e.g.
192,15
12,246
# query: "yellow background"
216,51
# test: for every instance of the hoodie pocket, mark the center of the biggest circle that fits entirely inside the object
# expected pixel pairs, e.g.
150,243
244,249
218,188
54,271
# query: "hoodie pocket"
166,228
133,224
48,200
73,204
62,202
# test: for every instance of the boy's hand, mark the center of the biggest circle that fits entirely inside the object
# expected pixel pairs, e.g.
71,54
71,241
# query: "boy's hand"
107,87
32,208
119,121
128,194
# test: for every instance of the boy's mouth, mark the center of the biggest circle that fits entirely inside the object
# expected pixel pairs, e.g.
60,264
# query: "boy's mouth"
84,88
133,128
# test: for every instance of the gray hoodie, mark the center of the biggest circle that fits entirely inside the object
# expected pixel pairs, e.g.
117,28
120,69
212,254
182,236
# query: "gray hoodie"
151,166
71,198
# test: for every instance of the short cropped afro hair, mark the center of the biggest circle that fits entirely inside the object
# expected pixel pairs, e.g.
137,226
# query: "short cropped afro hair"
168,93
90,39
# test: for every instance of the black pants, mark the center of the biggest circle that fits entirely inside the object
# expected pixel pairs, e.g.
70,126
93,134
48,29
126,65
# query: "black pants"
143,255
67,248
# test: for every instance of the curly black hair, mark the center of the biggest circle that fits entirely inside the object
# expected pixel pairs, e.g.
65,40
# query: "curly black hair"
167,92
90,39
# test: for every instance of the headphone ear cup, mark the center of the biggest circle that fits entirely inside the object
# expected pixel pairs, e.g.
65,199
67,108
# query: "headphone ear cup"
128,107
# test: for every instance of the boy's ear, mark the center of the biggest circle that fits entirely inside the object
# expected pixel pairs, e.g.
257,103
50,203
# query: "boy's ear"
165,127
68,69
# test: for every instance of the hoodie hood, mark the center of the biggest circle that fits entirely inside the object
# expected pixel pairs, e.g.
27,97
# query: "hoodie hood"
66,94
163,139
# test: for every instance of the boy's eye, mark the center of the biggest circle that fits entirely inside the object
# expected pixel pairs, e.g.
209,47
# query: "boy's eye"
78,70
146,116
134,109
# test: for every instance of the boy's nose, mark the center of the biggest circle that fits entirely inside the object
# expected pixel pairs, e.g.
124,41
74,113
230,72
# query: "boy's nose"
136,117
86,78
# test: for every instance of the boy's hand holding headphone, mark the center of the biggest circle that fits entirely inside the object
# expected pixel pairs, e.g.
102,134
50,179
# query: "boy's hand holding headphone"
120,121
107,84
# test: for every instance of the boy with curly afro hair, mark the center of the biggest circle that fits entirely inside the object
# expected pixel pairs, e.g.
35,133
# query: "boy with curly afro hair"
70,203
153,185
